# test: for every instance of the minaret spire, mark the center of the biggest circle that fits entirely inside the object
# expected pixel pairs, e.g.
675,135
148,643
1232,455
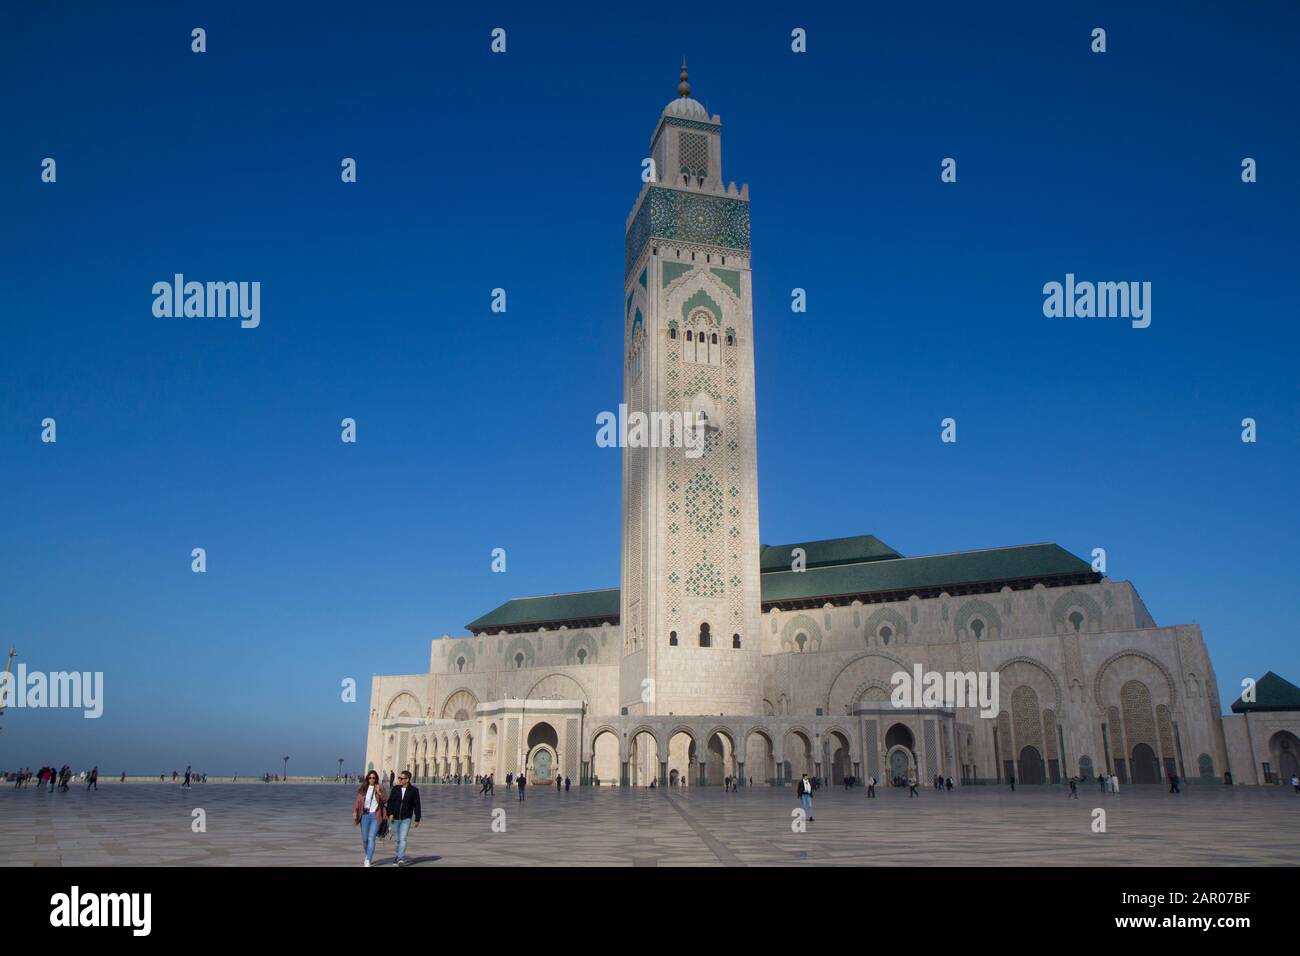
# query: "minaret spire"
684,87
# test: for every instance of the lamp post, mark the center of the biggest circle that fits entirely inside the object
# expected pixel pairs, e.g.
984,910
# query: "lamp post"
286,769
340,773
7,680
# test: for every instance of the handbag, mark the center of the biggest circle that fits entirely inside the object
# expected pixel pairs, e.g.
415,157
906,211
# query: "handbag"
385,831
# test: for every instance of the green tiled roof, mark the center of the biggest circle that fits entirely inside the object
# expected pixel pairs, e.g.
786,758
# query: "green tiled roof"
1271,693
1021,563
818,554
550,608
838,567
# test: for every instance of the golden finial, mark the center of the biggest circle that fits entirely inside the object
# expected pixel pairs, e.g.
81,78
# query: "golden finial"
684,87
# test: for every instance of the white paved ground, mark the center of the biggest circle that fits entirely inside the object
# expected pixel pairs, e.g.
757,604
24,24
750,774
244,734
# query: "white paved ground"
310,825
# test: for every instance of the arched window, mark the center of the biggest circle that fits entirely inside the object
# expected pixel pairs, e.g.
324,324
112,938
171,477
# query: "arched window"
735,640
801,639
731,339
886,633
519,661
1076,620
705,640
460,663
713,339
672,332
672,638
688,335
977,628
582,655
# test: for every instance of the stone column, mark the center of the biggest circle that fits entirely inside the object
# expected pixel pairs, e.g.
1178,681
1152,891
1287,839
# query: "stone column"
663,773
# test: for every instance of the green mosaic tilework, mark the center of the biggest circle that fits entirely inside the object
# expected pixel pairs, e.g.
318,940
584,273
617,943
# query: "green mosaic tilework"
675,270
701,299
731,277
704,579
689,217
703,502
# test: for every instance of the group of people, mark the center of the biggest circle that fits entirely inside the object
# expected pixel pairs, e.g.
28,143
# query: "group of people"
51,777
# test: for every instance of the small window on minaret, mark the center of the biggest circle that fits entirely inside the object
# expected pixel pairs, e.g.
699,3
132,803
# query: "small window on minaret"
714,339
688,335
735,641
731,339
672,333
672,638
705,640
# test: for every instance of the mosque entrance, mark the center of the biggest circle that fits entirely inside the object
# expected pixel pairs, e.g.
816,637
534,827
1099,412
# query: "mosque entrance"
542,744
543,766
902,755
1031,766
898,767
1145,769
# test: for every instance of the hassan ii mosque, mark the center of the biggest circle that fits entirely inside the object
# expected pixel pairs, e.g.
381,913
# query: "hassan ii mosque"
717,658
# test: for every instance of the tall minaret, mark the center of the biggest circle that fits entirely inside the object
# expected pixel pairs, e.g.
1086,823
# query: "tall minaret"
690,577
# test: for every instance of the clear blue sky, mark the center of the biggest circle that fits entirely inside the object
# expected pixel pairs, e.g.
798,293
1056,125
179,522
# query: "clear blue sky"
476,430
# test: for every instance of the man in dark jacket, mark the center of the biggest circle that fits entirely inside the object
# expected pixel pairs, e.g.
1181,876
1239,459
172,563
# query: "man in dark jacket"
403,813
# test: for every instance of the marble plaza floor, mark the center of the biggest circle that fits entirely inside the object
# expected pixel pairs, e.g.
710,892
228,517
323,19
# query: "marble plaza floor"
310,825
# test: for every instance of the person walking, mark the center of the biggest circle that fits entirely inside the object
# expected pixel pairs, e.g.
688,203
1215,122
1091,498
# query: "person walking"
368,812
1173,783
911,786
566,783
1101,781
1074,788
93,780
1012,778
558,783
1295,783
1114,784
805,797
871,786
404,812
186,784
523,783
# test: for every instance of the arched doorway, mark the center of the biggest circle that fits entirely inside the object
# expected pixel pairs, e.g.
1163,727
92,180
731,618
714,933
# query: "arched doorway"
643,759
1144,767
841,757
721,762
682,758
900,756
900,767
760,764
1284,747
604,759
543,754
798,755
1031,766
